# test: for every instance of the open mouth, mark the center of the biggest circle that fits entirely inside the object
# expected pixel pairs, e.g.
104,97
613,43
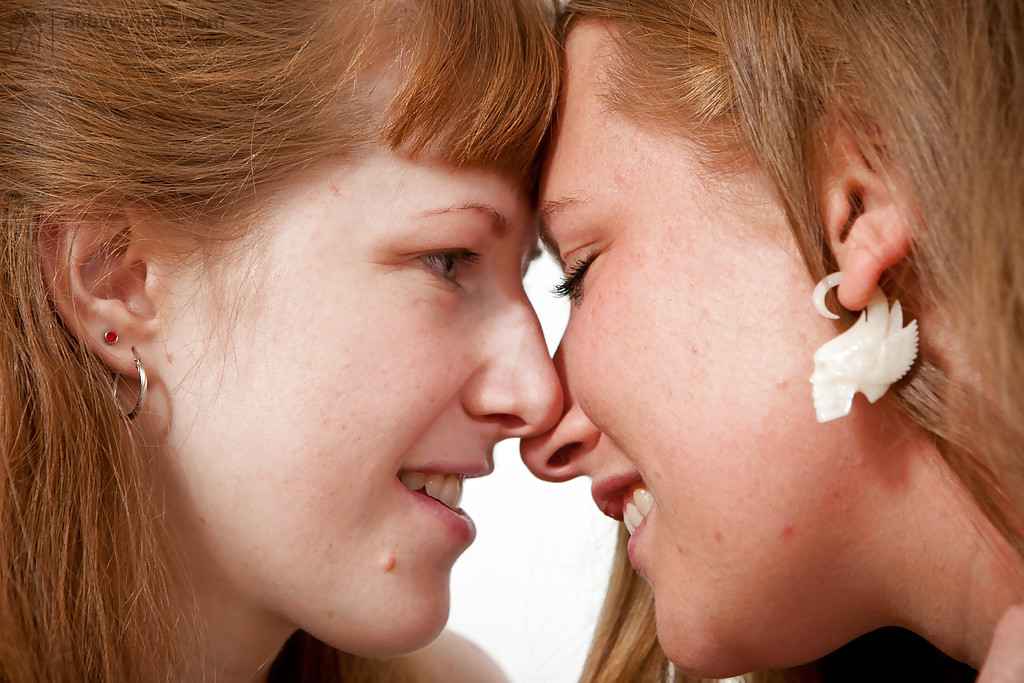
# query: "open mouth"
444,488
636,508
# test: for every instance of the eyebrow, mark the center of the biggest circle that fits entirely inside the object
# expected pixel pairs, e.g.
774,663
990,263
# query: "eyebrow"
499,224
548,209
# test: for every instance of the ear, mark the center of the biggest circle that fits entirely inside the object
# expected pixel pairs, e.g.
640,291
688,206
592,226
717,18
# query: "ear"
865,229
96,273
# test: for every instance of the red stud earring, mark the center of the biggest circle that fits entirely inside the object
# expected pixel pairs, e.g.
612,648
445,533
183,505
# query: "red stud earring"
110,337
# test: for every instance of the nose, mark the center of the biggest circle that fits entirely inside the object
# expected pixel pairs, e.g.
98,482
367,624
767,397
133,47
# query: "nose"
560,454
516,387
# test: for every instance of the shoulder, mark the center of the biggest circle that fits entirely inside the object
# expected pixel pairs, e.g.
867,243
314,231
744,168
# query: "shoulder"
454,659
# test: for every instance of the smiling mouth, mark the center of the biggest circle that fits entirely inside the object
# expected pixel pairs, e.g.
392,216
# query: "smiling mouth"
444,488
636,508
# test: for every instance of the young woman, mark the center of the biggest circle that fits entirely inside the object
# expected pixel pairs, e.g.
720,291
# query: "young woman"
262,314
710,163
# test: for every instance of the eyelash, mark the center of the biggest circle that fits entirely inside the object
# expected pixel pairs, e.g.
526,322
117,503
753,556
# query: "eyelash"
572,285
445,264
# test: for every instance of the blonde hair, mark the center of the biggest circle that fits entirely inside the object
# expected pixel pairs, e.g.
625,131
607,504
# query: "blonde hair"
935,90
192,111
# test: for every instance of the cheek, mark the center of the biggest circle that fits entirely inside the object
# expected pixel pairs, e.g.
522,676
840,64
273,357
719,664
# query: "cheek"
607,347
371,363
638,347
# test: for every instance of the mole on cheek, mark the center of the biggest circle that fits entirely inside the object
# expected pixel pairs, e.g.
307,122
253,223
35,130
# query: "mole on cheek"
388,565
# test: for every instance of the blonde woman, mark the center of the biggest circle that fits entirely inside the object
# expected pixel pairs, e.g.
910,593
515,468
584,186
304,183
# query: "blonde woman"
262,314
710,163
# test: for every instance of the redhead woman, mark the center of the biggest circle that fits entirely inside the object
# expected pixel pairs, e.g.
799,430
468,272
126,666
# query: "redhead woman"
715,170
262,315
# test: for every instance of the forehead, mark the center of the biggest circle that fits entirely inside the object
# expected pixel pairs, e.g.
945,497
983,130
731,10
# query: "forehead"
582,106
584,128
608,168
588,47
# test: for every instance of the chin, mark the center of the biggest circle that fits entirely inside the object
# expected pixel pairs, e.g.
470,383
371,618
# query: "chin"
695,648
698,662
395,631
703,648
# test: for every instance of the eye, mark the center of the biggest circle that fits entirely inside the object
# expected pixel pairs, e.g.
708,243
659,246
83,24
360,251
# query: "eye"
448,264
572,285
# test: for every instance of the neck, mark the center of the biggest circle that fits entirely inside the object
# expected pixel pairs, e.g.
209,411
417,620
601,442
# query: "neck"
221,641
236,648
960,574
222,636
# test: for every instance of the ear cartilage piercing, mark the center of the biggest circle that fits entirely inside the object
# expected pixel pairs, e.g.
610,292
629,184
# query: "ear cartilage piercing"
869,357
110,337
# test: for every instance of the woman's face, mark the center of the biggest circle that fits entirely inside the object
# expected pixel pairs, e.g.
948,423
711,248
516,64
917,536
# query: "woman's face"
385,344
685,368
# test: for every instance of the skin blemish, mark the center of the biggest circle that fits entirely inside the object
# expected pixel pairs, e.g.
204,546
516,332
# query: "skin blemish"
787,531
718,536
334,190
388,565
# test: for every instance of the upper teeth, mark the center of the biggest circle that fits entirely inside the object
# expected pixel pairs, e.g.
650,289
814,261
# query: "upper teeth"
444,488
636,511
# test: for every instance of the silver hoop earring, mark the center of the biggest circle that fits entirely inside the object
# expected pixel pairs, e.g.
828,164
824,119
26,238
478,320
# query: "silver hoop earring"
143,382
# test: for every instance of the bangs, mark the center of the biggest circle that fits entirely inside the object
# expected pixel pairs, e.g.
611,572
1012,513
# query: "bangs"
477,83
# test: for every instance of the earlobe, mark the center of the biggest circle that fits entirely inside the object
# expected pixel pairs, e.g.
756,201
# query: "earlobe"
96,273
866,231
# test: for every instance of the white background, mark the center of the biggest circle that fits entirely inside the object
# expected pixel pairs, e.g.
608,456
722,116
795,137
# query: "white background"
530,588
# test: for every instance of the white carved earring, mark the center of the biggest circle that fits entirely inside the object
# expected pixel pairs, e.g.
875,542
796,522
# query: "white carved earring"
868,357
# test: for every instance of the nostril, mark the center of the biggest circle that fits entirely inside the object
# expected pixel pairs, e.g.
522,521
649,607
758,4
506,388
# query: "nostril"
563,455
511,424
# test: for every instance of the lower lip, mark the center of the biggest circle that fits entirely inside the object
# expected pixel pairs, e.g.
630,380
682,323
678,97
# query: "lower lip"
633,548
458,523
